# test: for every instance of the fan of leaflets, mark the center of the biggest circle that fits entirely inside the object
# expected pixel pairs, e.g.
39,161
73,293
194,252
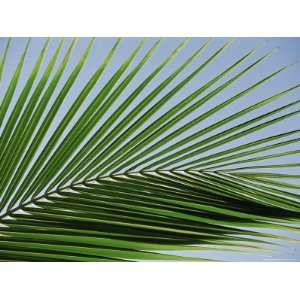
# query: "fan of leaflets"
97,181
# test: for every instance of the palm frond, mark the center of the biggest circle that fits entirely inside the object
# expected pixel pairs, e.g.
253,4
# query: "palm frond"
115,176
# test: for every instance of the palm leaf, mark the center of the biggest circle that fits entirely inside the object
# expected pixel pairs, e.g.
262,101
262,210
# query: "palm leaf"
114,176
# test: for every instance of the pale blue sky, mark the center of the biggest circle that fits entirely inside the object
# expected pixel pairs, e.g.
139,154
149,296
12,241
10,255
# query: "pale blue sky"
287,53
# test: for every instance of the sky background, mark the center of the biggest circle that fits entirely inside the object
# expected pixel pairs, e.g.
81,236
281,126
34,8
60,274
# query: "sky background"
286,51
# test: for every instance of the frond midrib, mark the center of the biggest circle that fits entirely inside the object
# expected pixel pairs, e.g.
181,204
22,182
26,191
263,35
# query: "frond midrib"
58,189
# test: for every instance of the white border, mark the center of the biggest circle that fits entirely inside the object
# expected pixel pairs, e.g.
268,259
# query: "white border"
149,18
145,281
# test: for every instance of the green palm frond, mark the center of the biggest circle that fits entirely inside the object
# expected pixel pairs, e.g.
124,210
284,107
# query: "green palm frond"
117,176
